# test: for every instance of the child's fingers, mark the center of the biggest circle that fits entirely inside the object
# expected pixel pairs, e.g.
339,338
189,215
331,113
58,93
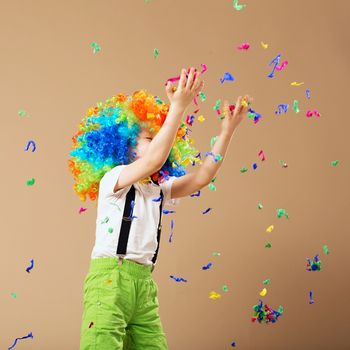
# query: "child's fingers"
199,88
196,82
190,79
226,108
182,81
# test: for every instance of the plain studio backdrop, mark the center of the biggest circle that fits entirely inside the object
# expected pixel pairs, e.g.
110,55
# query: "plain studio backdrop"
48,68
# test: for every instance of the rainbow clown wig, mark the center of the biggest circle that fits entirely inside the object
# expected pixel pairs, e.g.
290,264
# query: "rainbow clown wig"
108,133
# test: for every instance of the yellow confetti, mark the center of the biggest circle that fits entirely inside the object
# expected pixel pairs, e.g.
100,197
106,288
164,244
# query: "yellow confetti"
296,84
270,228
265,46
263,292
213,295
201,118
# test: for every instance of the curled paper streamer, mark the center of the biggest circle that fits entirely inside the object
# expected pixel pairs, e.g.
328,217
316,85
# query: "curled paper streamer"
275,61
307,93
244,46
171,230
295,106
310,298
311,113
30,142
207,211
228,77
279,68
208,266
81,210
31,266
197,194
178,279
282,108
238,7
30,335
294,83
213,295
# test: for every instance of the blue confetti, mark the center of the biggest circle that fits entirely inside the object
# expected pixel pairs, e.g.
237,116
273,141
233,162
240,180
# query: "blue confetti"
171,230
254,166
178,279
31,265
30,335
206,210
308,93
282,108
206,267
197,194
275,61
30,142
227,76
165,211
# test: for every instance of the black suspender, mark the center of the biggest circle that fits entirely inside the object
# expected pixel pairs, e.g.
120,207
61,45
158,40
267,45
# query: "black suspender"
126,223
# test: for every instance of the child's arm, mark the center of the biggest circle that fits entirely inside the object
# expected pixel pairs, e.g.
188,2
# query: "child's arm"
159,148
193,182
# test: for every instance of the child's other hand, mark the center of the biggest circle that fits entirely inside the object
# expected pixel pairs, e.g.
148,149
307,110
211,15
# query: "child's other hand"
233,117
187,89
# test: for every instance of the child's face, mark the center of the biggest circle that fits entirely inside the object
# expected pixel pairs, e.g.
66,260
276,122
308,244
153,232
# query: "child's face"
144,139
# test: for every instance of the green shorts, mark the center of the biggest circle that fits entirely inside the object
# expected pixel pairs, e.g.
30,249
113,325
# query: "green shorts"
120,307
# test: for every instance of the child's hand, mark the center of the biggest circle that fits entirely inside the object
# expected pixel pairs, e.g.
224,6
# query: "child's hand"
187,89
233,117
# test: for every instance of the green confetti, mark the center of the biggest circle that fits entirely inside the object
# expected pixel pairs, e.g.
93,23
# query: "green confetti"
31,182
213,140
295,106
212,187
267,281
280,310
110,230
225,288
260,206
14,295
238,7
202,96
335,162
96,47
217,104
105,220
243,170
216,254
251,115
22,113
218,157
281,212
155,53
158,100
268,245
325,249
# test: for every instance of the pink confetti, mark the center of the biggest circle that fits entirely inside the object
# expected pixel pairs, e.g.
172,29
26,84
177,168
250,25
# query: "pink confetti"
244,46
262,155
283,64
82,210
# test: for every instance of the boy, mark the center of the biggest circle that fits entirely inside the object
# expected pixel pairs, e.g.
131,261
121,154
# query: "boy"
120,295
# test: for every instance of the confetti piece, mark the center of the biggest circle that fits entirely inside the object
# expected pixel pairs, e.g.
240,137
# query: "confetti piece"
31,182
91,324
283,64
267,281
201,118
216,254
81,210
244,46
190,119
178,279
270,229
30,142
212,187
96,47
105,220
325,249
243,170
283,163
13,295
294,83
207,266
217,104
155,53
22,113
213,295
307,93
311,113
254,166
110,230
197,194
157,199
262,155
268,245
238,7
213,140
30,335
263,292
217,157
31,266
335,162
282,212
225,288
227,77
263,313
282,108
314,265
295,106
275,61
166,211
265,46
233,344
207,211
253,115
171,230
202,96
310,298
260,206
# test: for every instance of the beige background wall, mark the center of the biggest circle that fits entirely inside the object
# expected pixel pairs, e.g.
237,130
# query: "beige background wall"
48,68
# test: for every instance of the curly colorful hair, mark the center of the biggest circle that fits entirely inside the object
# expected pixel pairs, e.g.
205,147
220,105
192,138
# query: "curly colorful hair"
108,133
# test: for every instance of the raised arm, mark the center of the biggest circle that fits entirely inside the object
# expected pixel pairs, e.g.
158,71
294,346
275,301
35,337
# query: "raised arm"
159,148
